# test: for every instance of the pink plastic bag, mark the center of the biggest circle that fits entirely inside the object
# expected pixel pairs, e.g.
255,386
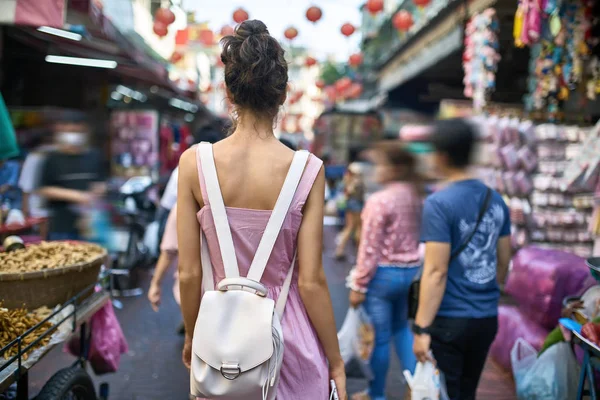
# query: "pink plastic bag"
540,280
512,325
107,342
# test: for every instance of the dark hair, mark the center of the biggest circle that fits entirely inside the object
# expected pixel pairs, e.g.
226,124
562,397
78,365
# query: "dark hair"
256,73
396,155
456,139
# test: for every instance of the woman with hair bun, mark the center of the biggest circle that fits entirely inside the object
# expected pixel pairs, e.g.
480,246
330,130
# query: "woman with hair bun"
252,165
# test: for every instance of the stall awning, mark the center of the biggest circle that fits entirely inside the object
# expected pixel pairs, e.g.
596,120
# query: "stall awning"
33,12
429,48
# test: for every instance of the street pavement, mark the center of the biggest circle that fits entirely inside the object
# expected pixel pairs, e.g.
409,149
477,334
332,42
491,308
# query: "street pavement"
152,370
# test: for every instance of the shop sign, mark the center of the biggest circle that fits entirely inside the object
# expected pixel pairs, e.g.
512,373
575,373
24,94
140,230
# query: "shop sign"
33,12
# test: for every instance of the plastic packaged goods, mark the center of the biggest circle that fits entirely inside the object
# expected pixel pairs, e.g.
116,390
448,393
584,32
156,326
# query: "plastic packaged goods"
541,278
357,340
553,376
512,325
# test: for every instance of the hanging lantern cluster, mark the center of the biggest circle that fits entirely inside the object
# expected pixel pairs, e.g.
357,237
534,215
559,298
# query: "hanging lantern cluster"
240,15
162,19
314,14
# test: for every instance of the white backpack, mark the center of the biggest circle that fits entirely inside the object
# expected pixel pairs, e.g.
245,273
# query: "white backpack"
237,349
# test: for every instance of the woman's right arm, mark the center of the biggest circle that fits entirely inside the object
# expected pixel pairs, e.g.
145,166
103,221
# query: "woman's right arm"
190,267
313,284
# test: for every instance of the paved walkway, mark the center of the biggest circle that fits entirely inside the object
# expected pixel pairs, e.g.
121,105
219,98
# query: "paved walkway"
152,370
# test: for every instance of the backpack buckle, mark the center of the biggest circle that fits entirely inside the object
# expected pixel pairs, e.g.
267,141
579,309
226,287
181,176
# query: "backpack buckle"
230,371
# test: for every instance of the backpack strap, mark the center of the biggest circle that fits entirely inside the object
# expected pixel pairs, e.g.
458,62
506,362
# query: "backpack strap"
217,206
282,206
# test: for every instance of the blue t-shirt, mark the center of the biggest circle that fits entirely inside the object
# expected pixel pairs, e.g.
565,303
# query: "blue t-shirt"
449,216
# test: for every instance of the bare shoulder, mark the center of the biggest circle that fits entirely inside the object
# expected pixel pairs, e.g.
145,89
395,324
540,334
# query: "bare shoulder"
187,162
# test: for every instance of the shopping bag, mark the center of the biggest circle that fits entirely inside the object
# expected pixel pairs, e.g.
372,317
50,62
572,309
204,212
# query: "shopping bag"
357,339
107,342
552,376
427,383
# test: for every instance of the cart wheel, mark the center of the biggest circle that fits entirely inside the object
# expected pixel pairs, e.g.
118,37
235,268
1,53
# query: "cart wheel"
69,384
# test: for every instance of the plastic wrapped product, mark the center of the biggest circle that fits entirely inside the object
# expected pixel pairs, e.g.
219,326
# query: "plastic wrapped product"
512,325
541,278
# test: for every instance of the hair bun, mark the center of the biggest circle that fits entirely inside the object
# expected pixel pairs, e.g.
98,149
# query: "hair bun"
251,27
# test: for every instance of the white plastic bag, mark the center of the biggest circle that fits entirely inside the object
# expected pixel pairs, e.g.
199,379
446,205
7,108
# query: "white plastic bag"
151,238
552,376
427,383
357,339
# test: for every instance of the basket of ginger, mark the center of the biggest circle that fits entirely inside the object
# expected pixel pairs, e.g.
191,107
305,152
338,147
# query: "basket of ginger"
48,274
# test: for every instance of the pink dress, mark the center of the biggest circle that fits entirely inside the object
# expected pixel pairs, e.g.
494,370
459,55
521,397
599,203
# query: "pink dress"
304,374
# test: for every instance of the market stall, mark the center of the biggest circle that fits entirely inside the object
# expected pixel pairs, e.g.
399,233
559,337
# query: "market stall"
49,294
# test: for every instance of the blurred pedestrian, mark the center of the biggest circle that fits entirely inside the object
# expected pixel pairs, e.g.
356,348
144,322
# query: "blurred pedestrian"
354,190
388,260
167,259
9,177
255,165
72,177
31,176
466,231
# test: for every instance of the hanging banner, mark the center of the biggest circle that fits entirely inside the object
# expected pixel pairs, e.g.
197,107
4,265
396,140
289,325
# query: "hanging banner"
33,12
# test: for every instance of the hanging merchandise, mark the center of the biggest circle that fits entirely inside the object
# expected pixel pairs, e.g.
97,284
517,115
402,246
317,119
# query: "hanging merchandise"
481,57
561,37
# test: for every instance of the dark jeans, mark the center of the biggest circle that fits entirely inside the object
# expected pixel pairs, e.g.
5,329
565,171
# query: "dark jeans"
460,347
64,236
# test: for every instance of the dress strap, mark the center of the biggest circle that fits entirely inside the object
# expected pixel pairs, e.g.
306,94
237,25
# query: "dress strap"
201,177
311,172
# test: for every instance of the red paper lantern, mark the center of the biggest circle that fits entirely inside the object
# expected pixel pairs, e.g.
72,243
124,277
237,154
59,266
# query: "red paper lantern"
375,6
320,83
403,20
355,90
348,29
240,15
176,57
291,33
313,14
331,93
206,37
355,59
227,30
343,84
160,29
310,61
165,16
422,3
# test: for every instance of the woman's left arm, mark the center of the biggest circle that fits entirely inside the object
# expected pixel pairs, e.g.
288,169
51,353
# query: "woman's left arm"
190,266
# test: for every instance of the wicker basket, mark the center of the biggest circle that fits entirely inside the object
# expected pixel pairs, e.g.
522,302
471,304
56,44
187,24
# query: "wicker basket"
49,287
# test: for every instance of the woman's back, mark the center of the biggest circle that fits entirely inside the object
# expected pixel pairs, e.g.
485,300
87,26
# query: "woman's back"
251,173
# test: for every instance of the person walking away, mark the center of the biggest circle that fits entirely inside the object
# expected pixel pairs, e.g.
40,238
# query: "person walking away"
255,165
355,192
167,258
388,260
466,231
72,177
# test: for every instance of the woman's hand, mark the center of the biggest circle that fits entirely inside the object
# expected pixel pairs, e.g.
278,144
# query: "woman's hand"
154,294
187,352
338,374
357,298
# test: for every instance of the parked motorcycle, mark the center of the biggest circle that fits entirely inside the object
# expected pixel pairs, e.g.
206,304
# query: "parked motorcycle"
134,238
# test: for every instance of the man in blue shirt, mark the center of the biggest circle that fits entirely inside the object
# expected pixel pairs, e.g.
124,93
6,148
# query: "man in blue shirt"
466,231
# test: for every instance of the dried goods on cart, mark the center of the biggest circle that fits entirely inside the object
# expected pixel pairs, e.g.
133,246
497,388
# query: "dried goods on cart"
52,293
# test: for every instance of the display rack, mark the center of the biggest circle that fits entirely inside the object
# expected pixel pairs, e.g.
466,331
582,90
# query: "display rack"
75,312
